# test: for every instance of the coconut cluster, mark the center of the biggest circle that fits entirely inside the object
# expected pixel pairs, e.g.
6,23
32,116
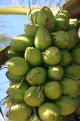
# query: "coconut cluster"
44,68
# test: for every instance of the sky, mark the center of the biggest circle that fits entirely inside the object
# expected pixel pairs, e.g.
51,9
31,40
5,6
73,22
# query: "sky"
26,2
12,25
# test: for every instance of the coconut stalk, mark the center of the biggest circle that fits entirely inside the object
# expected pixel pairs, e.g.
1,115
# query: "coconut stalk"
16,10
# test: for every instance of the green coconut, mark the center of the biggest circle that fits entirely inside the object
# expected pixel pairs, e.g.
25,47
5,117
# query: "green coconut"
14,78
76,55
77,99
78,111
12,53
17,90
49,112
32,14
34,96
42,39
33,56
64,11
62,14
66,58
17,66
46,18
62,20
69,86
52,90
36,76
51,56
66,105
73,35
19,112
30,30
73,70
74,23
19,43
55,72
62,24
61,39
77,93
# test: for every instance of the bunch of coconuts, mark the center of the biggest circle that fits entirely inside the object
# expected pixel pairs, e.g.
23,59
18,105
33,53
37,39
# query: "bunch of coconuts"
44,68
